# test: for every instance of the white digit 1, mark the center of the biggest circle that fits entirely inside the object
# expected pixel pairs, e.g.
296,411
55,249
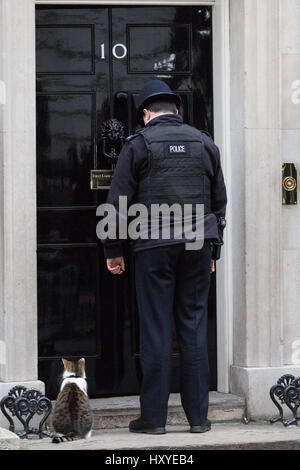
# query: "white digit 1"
102,56
124,51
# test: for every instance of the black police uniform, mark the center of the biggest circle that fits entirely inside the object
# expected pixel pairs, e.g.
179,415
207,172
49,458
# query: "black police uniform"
172,283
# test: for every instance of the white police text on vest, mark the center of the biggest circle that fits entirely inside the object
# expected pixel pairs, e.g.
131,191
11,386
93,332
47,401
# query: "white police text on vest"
177,148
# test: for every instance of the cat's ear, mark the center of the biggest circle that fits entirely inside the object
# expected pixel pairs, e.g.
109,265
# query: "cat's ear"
80,367
64,362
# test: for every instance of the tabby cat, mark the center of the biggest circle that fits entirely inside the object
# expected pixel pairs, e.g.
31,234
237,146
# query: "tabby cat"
72,417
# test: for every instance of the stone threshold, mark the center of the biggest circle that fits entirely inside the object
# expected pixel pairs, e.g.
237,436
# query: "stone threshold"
116,412
223,436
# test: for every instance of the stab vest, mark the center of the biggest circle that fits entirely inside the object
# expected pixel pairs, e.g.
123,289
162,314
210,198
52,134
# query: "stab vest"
175,172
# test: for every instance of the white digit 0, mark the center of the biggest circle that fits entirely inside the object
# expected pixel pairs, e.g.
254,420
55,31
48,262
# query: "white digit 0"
124,51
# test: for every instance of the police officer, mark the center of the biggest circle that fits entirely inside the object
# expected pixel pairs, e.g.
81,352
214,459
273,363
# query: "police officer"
167,161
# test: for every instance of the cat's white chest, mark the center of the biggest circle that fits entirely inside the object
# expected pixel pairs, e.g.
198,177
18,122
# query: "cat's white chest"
80,382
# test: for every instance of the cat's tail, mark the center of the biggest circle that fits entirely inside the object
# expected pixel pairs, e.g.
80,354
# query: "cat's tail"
70,436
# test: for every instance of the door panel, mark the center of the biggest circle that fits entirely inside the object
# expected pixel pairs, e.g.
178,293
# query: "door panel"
91,65
154,56
65,49
67,291
65,154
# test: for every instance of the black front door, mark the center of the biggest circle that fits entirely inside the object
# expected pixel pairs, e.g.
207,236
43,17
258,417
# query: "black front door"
91,64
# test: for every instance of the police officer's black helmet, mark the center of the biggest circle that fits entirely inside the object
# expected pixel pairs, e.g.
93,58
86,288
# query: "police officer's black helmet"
152,90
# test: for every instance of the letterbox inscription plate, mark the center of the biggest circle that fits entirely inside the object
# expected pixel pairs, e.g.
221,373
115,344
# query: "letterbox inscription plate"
101,179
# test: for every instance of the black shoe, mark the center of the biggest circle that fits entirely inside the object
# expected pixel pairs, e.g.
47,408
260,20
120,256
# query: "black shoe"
201,427
139,425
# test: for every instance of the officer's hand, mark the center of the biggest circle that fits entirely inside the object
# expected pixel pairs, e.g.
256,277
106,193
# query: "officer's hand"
212,266
116,265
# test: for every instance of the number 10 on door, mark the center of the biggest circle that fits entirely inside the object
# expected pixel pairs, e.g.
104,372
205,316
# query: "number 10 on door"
119,51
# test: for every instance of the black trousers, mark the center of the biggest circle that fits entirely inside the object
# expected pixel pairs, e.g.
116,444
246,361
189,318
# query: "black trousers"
173,284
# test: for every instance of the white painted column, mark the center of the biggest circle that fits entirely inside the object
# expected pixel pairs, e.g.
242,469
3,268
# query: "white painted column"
262,182
290,59
258,314
18,279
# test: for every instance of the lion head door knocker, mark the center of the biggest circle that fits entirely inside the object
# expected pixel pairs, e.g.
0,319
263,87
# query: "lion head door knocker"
112,136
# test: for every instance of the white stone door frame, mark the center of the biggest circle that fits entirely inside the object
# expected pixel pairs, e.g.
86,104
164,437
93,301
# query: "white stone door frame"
18,305
221,79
